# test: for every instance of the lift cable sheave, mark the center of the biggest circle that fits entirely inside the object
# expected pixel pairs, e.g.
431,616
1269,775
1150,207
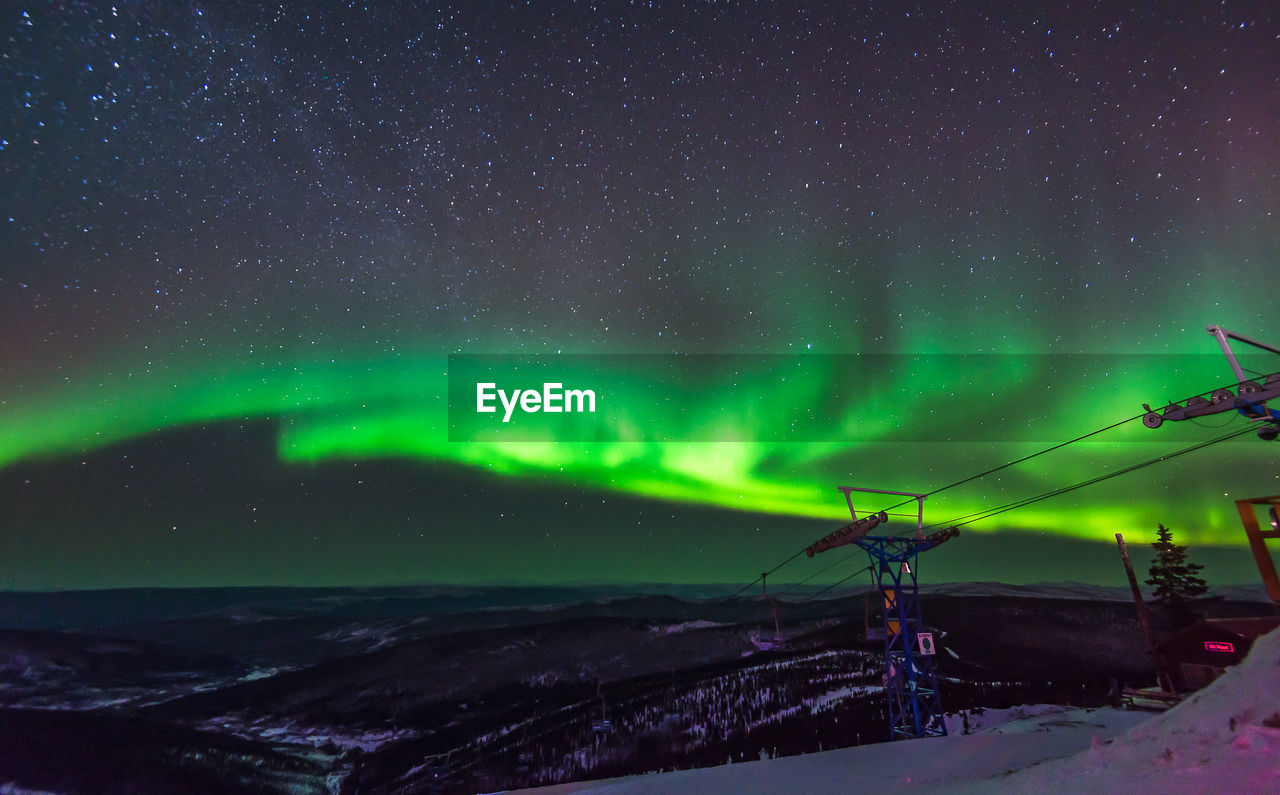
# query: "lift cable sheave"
1249,399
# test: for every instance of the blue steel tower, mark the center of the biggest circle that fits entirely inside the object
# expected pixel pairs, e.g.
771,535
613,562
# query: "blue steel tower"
915,708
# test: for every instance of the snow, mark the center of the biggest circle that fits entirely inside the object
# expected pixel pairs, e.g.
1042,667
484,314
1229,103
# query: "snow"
266,673
1225,738
294,734
1027,717
887,767
9,788
374,635
831,698
685,626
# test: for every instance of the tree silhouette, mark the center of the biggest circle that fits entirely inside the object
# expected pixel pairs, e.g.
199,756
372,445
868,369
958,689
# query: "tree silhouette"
1175,581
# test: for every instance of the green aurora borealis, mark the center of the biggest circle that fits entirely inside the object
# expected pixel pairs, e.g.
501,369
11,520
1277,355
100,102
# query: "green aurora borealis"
919,421
242,247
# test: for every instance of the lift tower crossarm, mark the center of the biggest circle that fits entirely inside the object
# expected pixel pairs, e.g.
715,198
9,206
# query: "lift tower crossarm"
919,498
1223,335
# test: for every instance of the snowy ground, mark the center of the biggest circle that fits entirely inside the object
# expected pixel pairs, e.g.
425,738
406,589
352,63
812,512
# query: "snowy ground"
1226,738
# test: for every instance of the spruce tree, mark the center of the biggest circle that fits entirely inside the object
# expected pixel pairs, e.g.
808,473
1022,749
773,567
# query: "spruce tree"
1175,580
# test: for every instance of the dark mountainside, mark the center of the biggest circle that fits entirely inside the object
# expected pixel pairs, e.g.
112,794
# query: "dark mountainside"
461,690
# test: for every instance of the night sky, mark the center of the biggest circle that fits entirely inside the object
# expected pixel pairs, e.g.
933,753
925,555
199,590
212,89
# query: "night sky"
241,241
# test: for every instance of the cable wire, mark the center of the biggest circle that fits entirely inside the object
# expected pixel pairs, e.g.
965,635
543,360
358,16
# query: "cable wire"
832,585
985,514
1004,466
819,572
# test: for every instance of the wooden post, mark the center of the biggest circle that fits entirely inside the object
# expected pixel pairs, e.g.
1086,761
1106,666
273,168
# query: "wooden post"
1258,542
1143,618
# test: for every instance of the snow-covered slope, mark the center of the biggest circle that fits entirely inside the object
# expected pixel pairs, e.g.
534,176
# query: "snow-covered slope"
1226,738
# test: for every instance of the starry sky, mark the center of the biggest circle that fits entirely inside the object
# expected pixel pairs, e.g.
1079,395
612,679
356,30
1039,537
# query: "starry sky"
242,241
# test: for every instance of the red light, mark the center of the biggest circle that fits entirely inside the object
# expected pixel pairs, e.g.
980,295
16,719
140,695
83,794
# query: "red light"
1218,645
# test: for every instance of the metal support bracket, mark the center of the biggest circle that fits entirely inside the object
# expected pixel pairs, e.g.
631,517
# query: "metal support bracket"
848,498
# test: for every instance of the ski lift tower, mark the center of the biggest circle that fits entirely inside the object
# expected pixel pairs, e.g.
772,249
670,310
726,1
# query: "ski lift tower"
915,707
